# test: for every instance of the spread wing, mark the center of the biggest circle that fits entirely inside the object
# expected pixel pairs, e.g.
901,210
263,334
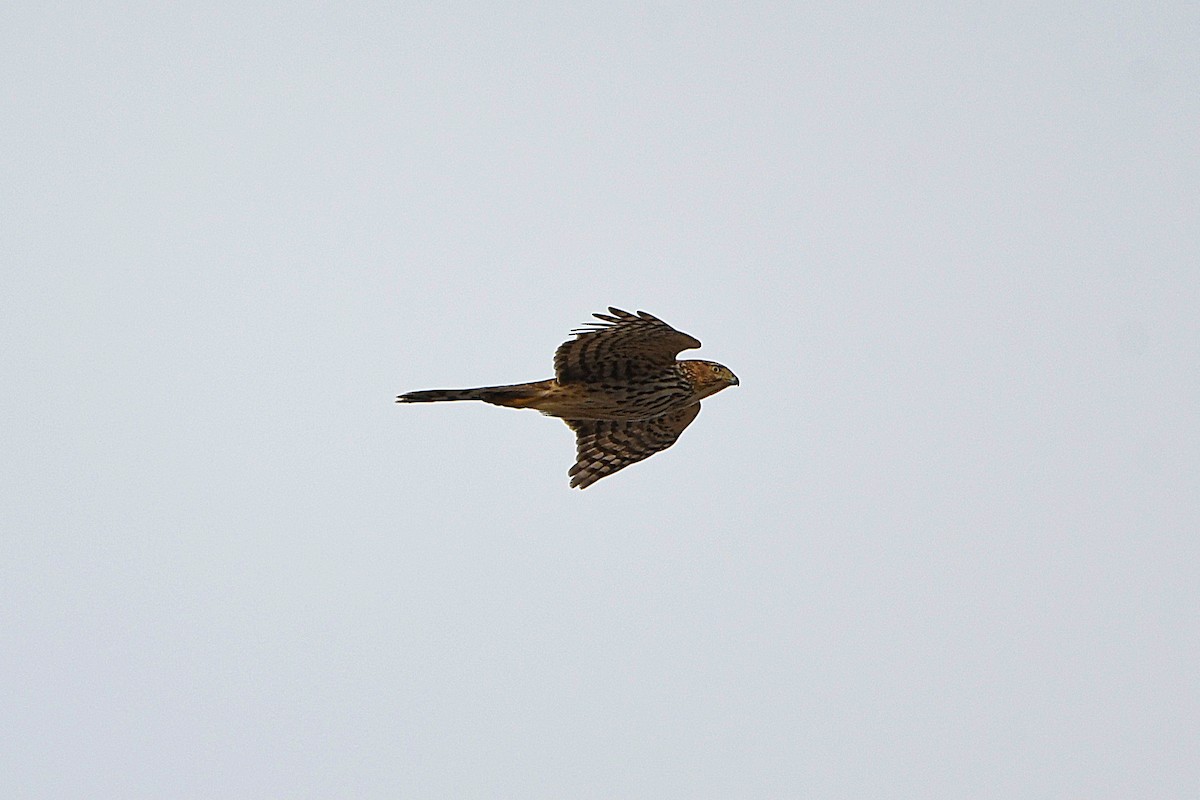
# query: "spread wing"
621,346
605,446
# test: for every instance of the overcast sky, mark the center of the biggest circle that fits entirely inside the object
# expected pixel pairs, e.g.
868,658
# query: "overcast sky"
940,543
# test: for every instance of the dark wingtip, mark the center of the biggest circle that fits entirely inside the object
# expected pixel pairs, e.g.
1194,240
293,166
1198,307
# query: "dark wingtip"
578,476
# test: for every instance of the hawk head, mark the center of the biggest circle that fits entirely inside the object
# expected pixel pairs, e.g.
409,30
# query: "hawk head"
709,377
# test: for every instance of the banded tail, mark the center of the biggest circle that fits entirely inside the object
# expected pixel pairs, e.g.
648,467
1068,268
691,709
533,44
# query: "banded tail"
518,395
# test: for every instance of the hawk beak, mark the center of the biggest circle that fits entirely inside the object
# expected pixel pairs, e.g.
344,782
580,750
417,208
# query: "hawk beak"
735,381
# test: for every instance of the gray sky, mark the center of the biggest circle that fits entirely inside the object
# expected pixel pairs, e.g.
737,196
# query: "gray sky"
941,542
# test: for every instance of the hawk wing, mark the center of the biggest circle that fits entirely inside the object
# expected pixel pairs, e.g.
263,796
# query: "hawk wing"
605,446
621,346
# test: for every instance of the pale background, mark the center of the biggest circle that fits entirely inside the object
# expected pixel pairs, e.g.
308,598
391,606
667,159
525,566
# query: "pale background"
940,543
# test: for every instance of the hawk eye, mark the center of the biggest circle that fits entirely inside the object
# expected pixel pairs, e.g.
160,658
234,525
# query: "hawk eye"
716,368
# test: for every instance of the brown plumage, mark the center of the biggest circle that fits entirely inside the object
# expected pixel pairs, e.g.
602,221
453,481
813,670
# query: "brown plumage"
618,385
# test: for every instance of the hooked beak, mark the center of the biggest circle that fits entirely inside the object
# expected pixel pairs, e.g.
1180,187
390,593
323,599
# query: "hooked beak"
735,381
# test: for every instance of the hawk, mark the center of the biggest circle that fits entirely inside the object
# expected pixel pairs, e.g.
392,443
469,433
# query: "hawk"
617,385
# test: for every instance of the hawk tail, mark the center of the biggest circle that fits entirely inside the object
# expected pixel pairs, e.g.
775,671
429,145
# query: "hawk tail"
518,395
